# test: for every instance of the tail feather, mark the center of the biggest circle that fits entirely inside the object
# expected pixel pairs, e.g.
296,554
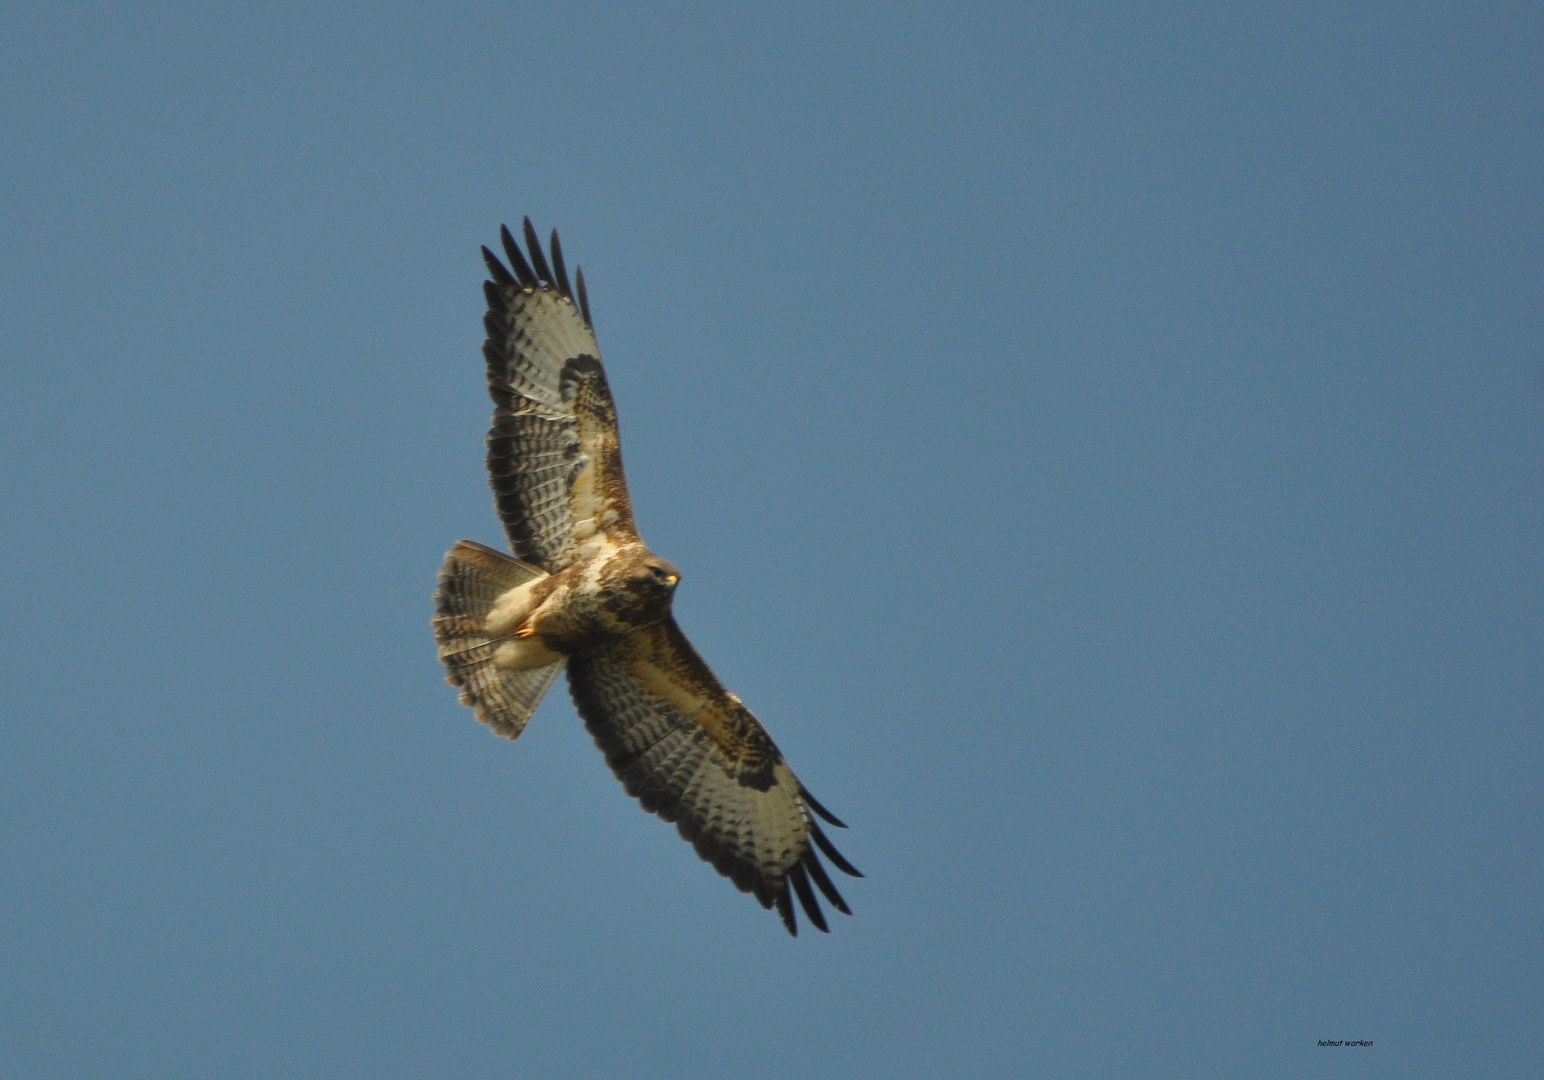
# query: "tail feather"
471,579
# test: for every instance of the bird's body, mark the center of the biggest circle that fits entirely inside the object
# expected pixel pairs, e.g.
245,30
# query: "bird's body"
588,606
587,594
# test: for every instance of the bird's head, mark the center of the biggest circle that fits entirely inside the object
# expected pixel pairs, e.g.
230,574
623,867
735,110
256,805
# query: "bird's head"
654,576
651,584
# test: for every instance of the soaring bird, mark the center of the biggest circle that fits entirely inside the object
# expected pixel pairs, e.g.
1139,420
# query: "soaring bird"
584,593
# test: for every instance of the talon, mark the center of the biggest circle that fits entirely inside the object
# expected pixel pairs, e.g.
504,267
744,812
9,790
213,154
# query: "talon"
524,632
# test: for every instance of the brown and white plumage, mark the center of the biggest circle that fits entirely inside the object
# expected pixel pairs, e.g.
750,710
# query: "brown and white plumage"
586,593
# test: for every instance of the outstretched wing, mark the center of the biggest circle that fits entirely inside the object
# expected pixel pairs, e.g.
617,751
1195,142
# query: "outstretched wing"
554,453
690,752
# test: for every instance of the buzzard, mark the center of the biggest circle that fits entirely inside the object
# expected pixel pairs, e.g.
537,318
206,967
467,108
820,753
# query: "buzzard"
585,593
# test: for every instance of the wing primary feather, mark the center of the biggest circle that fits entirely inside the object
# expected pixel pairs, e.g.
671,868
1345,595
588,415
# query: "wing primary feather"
823,882
517,261
559,269
538,260
496,326
584,299
785,909
495,300
821,810
830,851
807,899
496,268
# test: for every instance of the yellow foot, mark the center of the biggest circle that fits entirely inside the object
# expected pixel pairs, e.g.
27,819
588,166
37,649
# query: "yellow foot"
524,632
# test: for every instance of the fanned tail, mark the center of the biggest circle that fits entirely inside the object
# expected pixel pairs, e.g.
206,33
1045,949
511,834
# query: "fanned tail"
472,578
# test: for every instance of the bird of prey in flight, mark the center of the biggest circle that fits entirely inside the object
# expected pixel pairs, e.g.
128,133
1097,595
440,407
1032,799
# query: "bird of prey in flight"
584,593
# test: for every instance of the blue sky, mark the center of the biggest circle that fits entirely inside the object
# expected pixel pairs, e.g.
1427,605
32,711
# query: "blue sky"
1102,443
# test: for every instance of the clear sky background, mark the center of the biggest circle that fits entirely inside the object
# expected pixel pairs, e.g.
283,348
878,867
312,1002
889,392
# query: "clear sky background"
1102,442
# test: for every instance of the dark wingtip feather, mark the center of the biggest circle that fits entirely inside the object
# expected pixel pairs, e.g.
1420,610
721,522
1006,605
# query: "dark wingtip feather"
517,261
823,881
496,269
830,851
807,899
785,909
538,260
557,265
821,810
584,298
